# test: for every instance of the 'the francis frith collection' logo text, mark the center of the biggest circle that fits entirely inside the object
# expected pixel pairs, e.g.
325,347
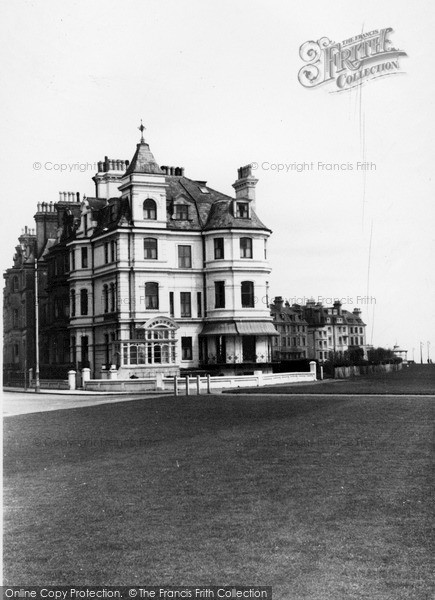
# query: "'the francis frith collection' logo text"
351,62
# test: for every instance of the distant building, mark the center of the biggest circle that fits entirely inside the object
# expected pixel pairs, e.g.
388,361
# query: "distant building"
403,354
56,355
292,329
316,331
44,242
19,309
333,331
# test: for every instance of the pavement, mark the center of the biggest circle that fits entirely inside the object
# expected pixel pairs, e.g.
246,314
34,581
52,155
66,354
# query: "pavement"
21,403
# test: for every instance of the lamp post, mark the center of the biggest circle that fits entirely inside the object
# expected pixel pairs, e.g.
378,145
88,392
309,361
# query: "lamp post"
428,356
421,352
37,385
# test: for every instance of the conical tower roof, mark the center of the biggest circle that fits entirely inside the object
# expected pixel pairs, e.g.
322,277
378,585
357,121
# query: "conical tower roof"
143,161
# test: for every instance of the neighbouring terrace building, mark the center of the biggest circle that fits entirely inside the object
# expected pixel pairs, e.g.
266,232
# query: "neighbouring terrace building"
154,273
292,340
315,331
333,331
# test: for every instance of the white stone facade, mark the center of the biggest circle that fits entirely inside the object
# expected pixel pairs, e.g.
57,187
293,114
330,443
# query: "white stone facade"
168,274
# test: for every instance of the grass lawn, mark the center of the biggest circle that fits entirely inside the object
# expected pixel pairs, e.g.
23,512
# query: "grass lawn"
324,498
416,379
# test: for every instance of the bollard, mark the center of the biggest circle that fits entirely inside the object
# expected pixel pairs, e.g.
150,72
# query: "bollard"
159,381
198,385
321,372
72,380
187,385
259,375
208,384
86,375
175,385
113,373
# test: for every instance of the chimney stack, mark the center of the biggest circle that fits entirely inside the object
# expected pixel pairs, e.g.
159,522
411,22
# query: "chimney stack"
245,184
278,303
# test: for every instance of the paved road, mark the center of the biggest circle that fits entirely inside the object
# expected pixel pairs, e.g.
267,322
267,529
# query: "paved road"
21,403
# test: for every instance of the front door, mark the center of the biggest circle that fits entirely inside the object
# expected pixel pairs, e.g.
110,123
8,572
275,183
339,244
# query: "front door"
248,347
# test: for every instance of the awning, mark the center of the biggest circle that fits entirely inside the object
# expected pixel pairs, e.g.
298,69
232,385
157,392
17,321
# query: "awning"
223,328
239,328
256,328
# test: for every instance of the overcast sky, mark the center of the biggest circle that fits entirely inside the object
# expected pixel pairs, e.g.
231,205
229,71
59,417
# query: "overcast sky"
216,84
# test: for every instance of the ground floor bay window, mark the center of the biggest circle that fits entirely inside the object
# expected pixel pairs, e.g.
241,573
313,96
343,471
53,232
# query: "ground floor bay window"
236,342
154,344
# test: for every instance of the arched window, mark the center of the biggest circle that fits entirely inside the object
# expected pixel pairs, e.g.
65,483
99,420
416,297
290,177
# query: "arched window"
150,249
15,283
247,294
106,298
149,210
151,295
154,343
245,247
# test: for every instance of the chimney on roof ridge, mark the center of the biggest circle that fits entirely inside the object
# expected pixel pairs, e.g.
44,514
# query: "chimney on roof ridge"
278,302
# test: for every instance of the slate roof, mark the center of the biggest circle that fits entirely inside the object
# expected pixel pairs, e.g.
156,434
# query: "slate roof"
110,215
287,313
317,315
207,211
352,318
210,210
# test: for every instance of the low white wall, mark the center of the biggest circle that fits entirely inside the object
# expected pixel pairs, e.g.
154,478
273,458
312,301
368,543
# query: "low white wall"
120,385
216,383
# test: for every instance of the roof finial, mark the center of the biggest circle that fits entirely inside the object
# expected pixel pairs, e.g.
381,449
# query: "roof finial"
141,129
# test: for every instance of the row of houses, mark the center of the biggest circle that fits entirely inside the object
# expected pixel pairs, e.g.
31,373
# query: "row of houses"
315,331
156,273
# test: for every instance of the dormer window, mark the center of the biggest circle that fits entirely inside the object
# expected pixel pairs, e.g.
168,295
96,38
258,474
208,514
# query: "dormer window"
149,210
181,212
242,210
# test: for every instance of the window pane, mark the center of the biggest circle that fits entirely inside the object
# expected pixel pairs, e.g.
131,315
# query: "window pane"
185,302
83,302
219,288
245,247
219,248
186,348
150,248
149,209
199,303
112,297
184,257
106,298
151,296
247,294
242,210
181,212
84,258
